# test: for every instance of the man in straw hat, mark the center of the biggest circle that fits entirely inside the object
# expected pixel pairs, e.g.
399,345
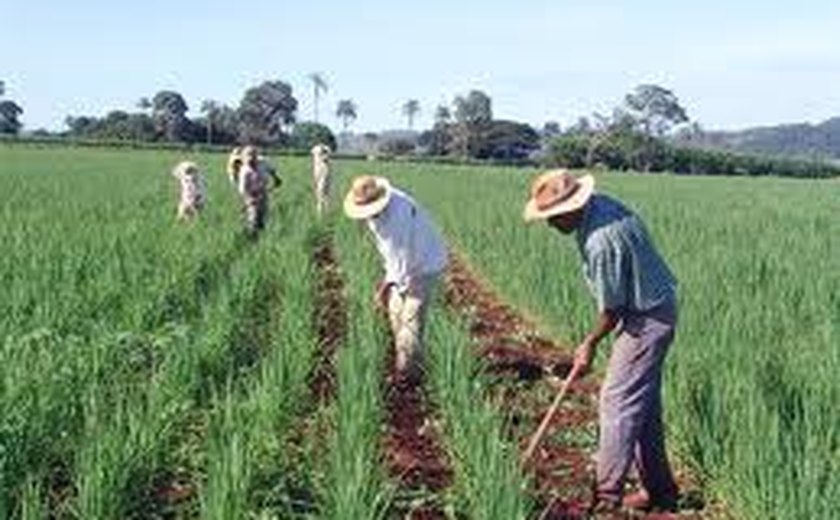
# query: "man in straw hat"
414,255
635,293
234,164
193,191
253,175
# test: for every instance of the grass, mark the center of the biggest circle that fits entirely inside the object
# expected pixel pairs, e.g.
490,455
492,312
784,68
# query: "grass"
135,347
751,379
489,479
127,354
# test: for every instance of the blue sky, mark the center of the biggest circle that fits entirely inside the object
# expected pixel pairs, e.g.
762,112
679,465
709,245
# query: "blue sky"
732,66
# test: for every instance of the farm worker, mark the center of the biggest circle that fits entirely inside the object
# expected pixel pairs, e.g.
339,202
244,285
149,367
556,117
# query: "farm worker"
413,254
253,179
193,192
635,294
234,164
321,176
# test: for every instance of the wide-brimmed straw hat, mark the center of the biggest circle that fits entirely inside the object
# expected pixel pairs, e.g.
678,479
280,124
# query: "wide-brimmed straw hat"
234,161
184,169
249,153
557,192
368,197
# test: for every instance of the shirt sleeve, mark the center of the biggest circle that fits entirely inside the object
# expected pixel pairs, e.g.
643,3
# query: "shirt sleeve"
605,274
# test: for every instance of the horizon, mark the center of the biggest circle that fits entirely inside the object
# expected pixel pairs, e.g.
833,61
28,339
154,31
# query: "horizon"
763,65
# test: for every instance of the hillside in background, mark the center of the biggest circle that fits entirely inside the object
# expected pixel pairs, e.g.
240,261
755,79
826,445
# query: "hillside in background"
822,139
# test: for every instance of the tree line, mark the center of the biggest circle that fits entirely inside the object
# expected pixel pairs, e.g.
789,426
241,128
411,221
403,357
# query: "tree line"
640,135
649,131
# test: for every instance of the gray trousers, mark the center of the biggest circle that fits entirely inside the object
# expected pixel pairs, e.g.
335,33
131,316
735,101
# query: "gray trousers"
631,406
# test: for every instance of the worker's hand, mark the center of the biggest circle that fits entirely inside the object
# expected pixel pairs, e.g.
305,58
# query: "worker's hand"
380,297
583,358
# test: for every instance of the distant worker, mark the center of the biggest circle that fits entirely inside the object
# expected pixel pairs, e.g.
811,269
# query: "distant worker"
193,191
321,176
414,255
253,181
635,292
234,164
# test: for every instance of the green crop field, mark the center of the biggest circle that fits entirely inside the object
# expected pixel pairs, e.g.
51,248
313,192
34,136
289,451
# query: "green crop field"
155,369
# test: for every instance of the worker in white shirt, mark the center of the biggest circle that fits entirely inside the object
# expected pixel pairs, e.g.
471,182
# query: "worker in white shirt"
321,176
414,255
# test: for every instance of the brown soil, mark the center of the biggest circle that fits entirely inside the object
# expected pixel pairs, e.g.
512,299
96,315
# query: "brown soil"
413,451
518,359
329,317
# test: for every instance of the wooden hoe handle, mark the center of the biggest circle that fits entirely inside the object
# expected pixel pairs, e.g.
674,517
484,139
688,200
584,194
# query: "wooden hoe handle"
540,433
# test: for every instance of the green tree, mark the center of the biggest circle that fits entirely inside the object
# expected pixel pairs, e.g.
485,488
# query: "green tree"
656,109
507,140
410,109
319,85
10,113
347,112
307,134
169,112
551,129
473,114
265,113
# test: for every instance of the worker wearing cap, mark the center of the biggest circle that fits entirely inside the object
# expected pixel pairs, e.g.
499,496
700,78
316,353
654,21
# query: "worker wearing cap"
414,255
635,294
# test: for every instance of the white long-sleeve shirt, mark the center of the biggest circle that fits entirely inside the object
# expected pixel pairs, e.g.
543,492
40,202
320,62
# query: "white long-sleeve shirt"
407,240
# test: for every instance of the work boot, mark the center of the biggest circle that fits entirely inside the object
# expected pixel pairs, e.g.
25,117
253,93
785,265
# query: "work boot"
642,501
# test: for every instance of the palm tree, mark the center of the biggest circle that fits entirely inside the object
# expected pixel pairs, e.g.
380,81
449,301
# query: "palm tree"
211,108
319,84
346,111
410,109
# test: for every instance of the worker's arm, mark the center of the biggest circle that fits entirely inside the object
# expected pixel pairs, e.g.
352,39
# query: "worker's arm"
604,324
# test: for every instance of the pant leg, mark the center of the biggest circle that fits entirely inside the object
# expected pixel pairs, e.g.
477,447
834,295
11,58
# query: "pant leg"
261,213
409,335
395,306
631,403
255,211
321,194
651,458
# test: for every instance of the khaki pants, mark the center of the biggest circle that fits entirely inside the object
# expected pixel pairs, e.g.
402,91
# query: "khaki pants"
407,315
322,189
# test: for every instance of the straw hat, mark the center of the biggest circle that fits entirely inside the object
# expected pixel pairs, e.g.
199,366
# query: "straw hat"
557,192
320,149
368,197
234,161
250,153
184,169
